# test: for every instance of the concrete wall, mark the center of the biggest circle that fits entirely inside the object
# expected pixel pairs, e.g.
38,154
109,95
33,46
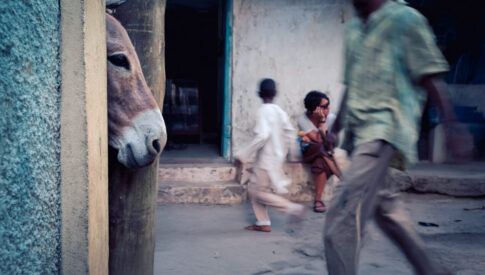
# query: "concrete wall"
297,43
30,137
84,138
53,147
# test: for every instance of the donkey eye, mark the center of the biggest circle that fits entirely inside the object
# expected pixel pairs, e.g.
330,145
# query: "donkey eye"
119,60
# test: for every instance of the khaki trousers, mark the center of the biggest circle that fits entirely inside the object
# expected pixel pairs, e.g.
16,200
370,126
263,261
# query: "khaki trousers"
360,196
261,195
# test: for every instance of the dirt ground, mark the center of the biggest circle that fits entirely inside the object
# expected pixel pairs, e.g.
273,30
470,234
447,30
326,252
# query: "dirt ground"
210,239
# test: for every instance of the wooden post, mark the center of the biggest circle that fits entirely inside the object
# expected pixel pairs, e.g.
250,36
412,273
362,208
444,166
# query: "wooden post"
132,209
133,193
144,20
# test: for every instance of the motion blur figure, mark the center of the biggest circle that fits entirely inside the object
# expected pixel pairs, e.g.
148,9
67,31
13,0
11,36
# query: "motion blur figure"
391,61
273,132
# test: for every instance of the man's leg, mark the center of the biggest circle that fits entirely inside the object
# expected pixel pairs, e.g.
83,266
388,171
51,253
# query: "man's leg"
320,171
353,203
320,180
395,222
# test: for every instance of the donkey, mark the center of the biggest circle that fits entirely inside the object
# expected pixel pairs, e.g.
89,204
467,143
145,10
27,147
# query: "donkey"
135,125
136,136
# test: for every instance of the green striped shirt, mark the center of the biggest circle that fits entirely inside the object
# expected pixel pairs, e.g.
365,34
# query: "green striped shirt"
384,60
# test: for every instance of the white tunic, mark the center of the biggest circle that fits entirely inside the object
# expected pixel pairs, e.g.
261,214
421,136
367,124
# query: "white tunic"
273,132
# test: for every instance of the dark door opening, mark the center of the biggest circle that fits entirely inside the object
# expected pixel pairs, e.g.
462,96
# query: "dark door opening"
459,28
194,56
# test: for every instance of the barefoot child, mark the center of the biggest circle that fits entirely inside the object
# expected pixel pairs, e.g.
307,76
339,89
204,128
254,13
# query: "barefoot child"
273,132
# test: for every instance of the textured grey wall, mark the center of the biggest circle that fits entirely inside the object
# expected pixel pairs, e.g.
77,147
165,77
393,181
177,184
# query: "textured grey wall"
29,143
298,43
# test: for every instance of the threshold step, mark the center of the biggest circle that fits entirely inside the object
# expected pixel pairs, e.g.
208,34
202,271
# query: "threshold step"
197,172
207,193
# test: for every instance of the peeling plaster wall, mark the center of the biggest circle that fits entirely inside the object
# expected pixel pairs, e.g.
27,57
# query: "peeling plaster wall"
297,43
29,143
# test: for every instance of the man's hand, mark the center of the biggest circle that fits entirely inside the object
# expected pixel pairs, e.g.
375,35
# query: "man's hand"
323,128
459,142
438,94
318,112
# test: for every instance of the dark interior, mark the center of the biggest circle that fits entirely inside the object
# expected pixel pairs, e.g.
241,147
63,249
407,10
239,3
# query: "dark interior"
194,58
460,34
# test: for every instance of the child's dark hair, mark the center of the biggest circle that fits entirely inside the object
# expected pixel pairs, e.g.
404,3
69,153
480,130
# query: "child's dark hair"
267,88
313,99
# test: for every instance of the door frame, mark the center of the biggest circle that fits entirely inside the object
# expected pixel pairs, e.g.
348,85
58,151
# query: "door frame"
227,101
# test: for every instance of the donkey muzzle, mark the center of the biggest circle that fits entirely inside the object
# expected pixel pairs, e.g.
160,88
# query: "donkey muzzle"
142,141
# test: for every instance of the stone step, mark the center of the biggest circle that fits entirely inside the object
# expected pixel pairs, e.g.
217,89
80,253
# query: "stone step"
216,192
217,183
461,180
197,172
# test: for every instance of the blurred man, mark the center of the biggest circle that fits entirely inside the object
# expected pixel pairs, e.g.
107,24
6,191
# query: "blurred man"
391,59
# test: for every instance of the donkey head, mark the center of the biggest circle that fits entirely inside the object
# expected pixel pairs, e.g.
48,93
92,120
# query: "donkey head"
135,125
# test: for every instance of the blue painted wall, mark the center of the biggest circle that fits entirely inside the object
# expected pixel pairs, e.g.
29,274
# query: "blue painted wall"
226,124
29,137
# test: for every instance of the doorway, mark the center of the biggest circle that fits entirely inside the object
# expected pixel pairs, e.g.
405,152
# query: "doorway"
194,56
460,34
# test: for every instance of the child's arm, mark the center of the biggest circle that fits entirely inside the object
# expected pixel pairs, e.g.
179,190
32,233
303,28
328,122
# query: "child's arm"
314,135
262,131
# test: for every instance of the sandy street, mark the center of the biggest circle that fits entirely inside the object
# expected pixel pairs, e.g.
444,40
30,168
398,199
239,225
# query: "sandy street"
210,239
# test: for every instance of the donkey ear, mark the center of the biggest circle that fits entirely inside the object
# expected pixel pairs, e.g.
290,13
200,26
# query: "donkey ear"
113,4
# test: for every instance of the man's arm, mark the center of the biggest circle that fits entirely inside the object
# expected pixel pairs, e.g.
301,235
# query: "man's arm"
337,124
437,92
315,134
459,141
425,62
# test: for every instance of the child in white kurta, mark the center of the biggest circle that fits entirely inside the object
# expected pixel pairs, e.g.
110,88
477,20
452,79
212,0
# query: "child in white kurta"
273,133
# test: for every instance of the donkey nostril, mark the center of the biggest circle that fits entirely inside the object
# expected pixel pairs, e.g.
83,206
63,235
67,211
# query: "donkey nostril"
156,145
